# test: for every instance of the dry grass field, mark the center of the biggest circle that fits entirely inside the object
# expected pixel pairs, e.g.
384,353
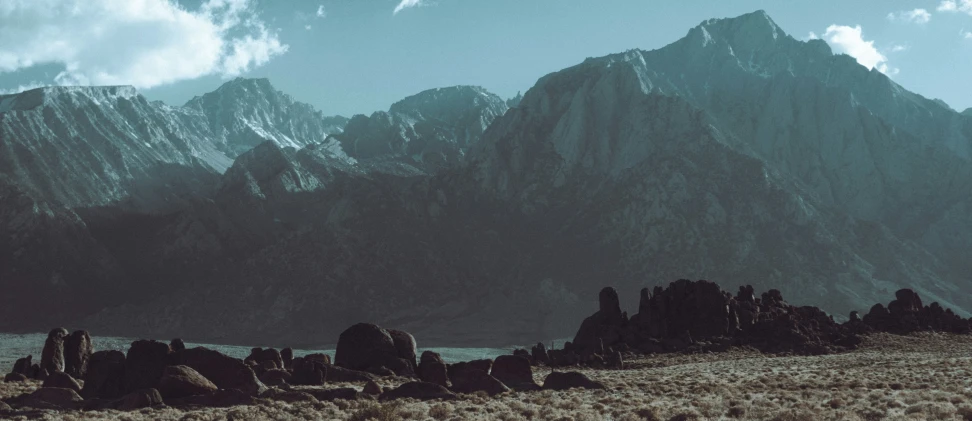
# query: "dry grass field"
921,377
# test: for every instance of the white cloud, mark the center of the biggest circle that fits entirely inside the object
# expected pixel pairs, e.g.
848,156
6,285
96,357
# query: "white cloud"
813,35
965,34
849,40
919,16
321,13
405,4
899,48
955,6
145,43
21,88
308,27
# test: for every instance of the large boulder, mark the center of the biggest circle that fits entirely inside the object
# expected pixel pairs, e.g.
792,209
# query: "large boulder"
539,354
468,379
77,352
337,374
179,381
309,372
144,363
223,398
432,369
52,357
277,377
569,380
224,371
62,380
287,355
14,378
367,347
177,345
515,372
105,378
418,390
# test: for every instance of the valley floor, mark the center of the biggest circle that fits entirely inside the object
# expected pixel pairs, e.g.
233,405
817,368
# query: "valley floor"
921,377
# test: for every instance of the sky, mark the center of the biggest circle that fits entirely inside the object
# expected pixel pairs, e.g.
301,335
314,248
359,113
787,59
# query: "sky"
357,56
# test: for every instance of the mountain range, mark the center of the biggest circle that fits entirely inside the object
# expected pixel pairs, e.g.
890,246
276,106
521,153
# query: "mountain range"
736,154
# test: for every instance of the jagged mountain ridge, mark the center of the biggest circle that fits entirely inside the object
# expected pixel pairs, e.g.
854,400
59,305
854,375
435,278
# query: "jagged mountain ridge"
430,130
612,172
90,146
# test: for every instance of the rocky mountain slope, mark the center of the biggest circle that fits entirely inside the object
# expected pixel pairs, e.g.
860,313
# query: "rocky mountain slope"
429,130
736,154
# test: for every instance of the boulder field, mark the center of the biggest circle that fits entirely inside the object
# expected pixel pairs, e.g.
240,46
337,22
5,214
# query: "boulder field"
686,316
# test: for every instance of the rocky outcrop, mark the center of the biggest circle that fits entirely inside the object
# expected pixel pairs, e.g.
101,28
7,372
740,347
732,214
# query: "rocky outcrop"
105,378
52,358
432,369
144,364
224,371
270,356
906,314
515,372
77,352
50,398
62,380
366,347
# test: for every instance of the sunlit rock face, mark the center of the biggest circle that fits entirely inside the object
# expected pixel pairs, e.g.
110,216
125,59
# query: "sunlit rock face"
736,154
430,130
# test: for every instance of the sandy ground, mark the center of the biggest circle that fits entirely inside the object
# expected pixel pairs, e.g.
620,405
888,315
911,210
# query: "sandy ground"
923,377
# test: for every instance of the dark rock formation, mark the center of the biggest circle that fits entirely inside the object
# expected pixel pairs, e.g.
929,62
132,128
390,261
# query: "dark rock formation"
223,398
539,354
515,372
179,381
105,378
77,352
469,378
406,349
345,393
25,366
144,364
321,358
601,328
50,398
52,358
367,347
344,375
569,380
432,369
62,380
14,377
287,355
224,371
418,390
177,345
906,314
309,372
260,356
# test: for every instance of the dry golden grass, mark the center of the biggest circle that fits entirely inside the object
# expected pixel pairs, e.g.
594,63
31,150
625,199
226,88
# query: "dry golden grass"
924,377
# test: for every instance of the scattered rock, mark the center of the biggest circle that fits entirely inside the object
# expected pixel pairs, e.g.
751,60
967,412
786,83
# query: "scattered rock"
223,398
144,364
105,378
569,380
179,381
432,369
515,372
344,393
77,352
62,380
289,396
418,390
52,358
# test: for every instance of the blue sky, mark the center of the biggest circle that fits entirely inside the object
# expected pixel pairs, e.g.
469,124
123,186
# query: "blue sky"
358,56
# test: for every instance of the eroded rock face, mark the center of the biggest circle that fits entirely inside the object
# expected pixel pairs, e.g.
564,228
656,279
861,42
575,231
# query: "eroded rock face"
52,358
602,328
77,352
